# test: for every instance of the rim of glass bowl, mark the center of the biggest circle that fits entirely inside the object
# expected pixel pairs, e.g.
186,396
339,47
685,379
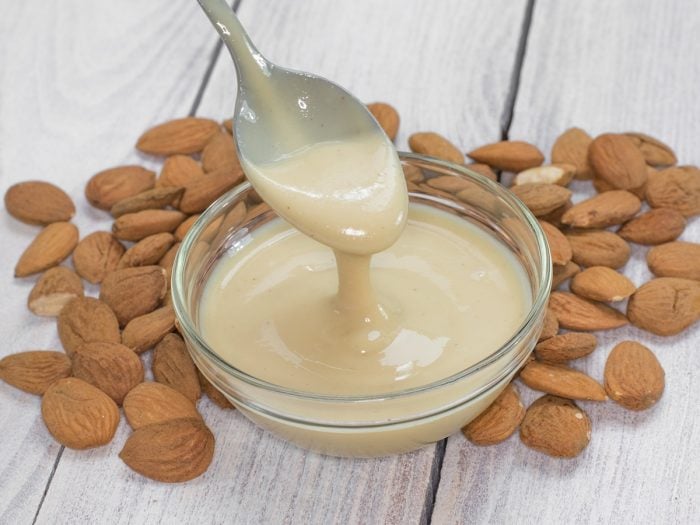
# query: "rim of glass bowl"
545,276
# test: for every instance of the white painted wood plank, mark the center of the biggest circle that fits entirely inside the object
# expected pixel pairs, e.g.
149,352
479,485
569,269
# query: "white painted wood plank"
255,477
603,66
78,82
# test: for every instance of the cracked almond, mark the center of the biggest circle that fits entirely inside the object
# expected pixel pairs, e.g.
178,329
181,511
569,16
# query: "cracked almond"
665,306
54,289
634,377
84,320
675,259
556,427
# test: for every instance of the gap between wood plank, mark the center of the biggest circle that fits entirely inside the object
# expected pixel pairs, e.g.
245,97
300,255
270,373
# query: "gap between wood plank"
507,117
431,492
195,104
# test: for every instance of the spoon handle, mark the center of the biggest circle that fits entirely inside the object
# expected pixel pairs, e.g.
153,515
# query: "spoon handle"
247,59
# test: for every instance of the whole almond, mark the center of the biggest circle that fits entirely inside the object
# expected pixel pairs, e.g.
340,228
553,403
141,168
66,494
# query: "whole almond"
51,246
38,202
560,274
85,320
78,415
550,325
387,117
561,381
111,367
499,421
558,245
616,160
675,259
147,251
154,199
508,155
602,186
556,427
655,152
435,145
228,125
575,313
34,371
96,255
598,248
173,366
145,331
150,403
600,283
665,306
450,183
172,452
603,210
542,199
482,169
178,171
214,393
56,287
571,147
185,226
675,188
203,191
136,226
554,216
565,347
131,292
634,377
413,173
108,187
220,153
654,227
166,262
560,174
180,136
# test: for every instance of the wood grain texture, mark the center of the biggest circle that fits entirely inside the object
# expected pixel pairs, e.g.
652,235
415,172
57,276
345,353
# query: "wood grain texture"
255,477
78,81
602,66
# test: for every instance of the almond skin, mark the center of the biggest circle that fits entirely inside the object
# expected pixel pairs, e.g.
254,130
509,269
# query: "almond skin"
508,155
139,225
675,188
150,403
145,331
561,274
542,199
54,289
166,262
558,245
97,255
565,347
571,147
53,244
220,153
185,226
655,152
180,136
34,371
550,325
561,381
499,421
132,292
634,377
78,415
481,169
214,394
203,191
600,283
665,306
173,366
85,320
617,161
108,187
111,367
450,183
556,427
172,452
387,117
435,145
656,226
154,199
575,313
38,202
675,259
178,171
147,251
554,216
598,248
603,210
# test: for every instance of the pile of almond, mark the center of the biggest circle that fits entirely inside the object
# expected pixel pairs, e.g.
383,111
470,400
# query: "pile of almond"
105,337
589,243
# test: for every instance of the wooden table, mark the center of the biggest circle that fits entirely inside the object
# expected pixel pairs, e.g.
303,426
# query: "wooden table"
80,80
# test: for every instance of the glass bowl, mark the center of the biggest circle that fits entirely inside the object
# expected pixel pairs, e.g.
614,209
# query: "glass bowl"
370,425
